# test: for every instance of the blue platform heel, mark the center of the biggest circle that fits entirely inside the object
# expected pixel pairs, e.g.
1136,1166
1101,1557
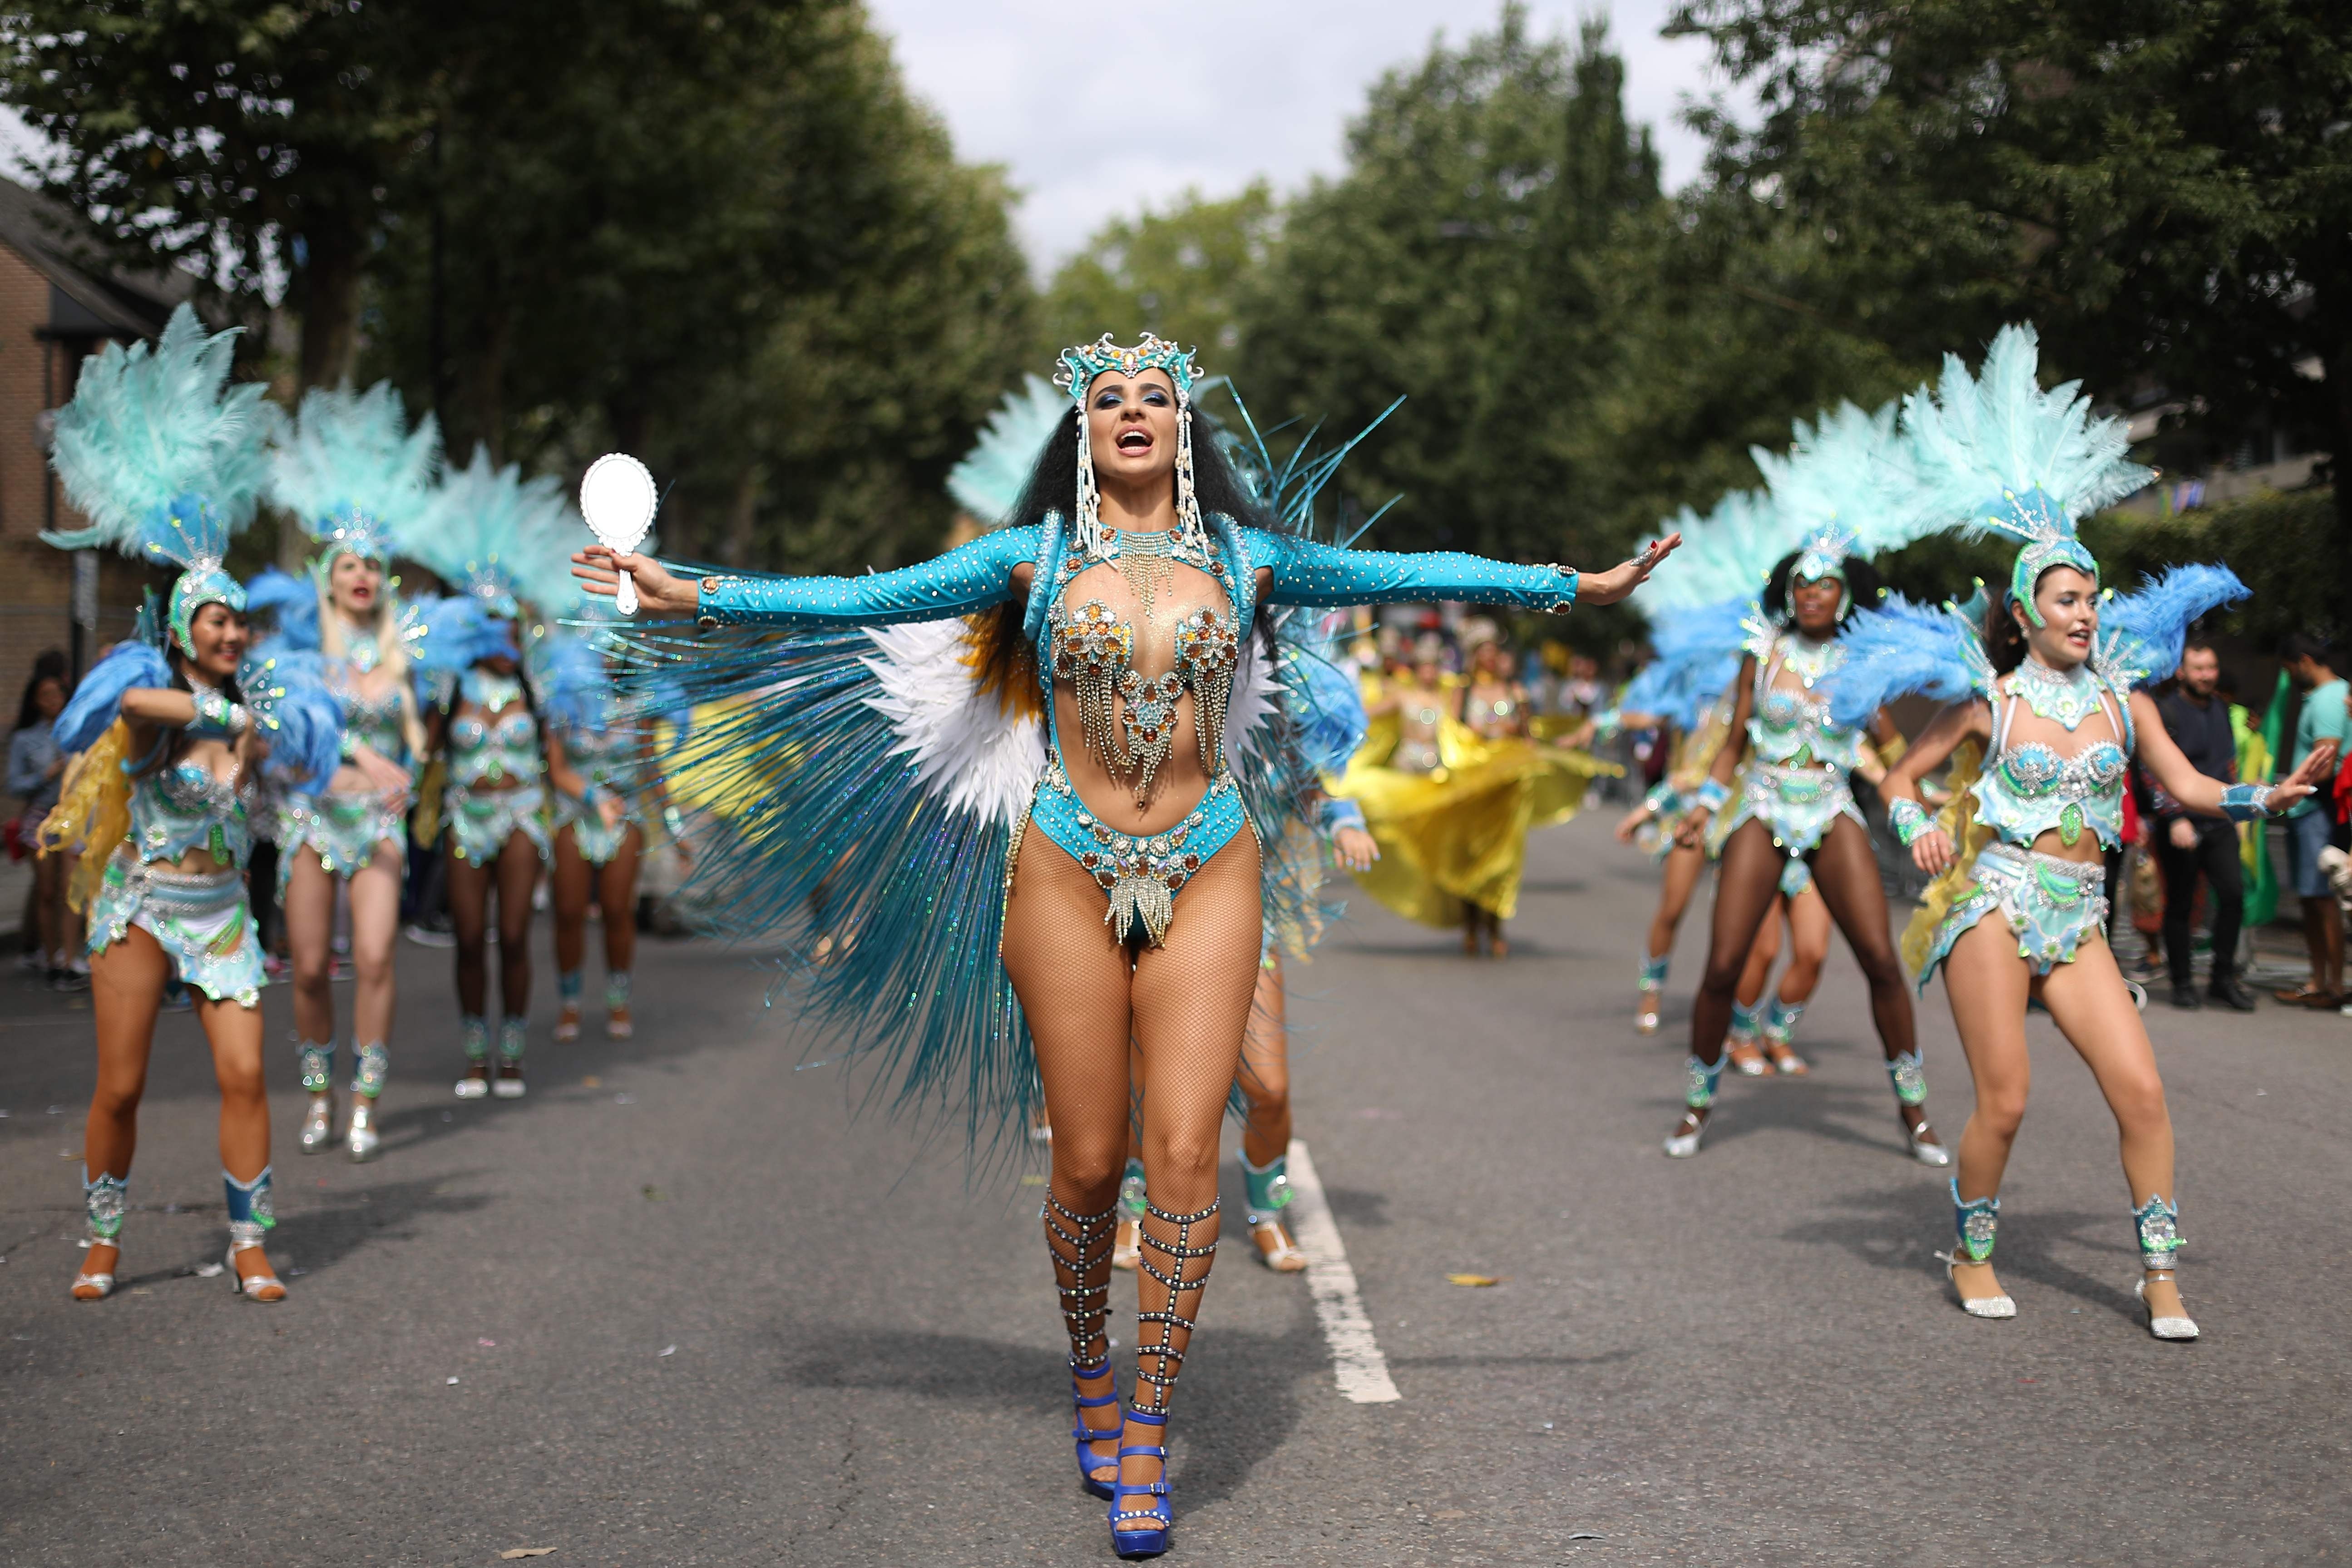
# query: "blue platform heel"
1149,1542
1085,1436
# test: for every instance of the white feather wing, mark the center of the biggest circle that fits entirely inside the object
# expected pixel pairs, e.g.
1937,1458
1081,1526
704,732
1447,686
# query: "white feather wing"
971,755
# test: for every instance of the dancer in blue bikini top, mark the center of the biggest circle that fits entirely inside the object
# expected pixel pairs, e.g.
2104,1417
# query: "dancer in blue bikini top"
1118,824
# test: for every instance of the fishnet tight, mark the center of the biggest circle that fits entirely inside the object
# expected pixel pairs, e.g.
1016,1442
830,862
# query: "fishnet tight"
1184,1005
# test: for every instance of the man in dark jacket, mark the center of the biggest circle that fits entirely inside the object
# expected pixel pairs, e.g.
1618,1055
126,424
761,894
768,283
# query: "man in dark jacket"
2187,845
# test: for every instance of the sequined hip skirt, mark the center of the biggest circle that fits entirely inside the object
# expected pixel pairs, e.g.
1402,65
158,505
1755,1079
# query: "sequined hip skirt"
343,831
1140,877
200,921
481,821
1797,804
2051,904
597,843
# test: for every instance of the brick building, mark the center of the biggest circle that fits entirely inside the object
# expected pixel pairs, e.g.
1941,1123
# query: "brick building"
57,308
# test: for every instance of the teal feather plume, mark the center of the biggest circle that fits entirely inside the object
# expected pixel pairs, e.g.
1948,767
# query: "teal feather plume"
1845,485
992,474
160,450
1995,453
498,536
351,460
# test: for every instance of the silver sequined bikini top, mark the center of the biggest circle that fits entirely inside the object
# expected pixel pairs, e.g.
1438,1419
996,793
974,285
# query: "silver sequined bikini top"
182,807
374,720
2030,789
483,752
1794,728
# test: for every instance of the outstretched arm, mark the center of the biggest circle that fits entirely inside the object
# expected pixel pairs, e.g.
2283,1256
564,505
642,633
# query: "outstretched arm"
2241,803
1302,572
970,578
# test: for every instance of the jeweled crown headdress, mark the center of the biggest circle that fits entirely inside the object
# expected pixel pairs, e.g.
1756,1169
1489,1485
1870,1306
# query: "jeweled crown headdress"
1996,454
1074,374
165,458
352,472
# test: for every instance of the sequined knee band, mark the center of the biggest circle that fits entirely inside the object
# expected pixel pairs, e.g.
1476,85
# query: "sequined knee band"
105,1199
514,1035
1977,1223
1654,972
616,990
1908,1074
1268,1187
1745,1021
1699,1082
2158,1224
474,1033
317,1066
1780,1020
250,1216
374,1066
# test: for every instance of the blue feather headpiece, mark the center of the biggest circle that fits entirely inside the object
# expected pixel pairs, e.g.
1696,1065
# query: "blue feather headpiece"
165,458
352,472
1843,488
990,479
503,539
1996,454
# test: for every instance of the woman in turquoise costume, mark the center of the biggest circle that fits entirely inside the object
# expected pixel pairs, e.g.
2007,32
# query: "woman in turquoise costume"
1059,795
496,538
600,833
2045,690
352,472
1838,494
165,460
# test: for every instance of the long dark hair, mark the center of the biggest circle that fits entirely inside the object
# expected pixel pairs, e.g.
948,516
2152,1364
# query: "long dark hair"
1007,663
1053,483
50,665
173,745
1864,587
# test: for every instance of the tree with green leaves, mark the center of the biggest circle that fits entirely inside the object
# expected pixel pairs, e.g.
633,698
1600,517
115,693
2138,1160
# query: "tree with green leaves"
2165,186
249,142
1177,273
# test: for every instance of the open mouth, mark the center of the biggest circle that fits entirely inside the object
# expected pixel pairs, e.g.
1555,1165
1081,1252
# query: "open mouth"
1135,442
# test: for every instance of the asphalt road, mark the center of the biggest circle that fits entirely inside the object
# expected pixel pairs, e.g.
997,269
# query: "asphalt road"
1750,1357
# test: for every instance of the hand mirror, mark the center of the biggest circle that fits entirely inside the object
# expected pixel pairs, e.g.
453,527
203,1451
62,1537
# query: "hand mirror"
618,498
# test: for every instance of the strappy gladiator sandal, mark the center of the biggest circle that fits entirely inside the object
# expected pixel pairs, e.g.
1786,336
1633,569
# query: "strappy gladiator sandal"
1085,1310
1152,1540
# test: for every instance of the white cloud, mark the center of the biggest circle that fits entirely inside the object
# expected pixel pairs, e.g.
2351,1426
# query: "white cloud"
1099,111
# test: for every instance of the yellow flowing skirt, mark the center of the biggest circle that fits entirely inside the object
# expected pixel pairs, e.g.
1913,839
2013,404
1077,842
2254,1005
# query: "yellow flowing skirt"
1458,836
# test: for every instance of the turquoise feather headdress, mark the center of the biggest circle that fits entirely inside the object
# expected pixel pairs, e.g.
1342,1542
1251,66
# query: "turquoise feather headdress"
164,456
352,472
1843,487
991,477
1996,454
498,537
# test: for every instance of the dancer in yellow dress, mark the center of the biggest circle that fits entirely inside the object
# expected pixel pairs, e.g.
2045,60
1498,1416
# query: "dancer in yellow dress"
1451,808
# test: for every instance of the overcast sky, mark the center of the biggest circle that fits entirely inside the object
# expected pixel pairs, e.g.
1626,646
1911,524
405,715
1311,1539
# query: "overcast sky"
1099,111
1076,99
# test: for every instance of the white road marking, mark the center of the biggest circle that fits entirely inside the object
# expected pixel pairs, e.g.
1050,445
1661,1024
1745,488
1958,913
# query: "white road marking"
1362,1371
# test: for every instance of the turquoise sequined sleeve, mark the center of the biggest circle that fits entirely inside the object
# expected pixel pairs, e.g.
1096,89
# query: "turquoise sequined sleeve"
1326,576
969,578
